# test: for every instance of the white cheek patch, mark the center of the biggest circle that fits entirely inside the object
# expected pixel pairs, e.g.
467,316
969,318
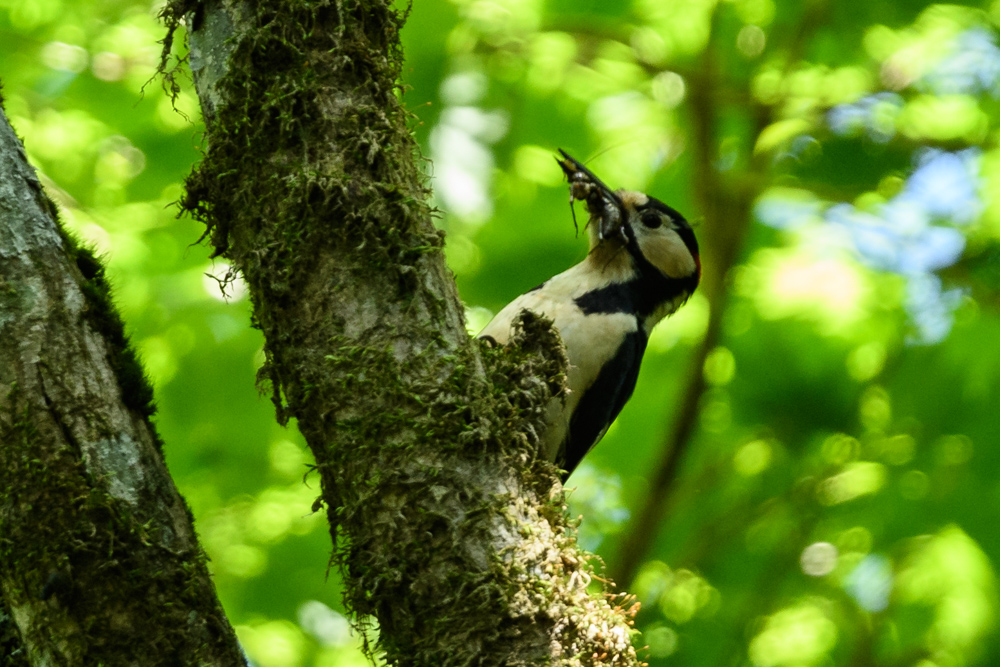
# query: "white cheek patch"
667,252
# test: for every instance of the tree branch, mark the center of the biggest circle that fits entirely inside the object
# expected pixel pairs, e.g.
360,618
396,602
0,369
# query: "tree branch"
98,558
446,528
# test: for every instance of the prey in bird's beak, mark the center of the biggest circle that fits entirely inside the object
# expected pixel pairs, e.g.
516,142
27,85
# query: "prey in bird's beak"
604,205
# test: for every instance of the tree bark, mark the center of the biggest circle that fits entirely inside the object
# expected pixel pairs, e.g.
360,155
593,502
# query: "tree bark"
447,529
99,564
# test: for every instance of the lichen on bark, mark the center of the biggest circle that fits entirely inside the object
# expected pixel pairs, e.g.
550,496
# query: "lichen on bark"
447,528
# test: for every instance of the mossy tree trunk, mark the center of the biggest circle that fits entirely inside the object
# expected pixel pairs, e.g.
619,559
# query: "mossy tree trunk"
448,531
99,564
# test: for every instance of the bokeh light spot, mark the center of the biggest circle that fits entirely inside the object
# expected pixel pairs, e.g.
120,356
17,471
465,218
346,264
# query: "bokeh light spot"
287,458
840,448
716,413
950,574
857,479
752,458
797,636
536,164
914,484
687,325
329,627
751,41
688,595
159,359
856,539
784,283
108,66
462,254
875,409
476,319
818,559
870,583
662,641
223,283
720,366
668,89
954,450
66,57
653,580
273,643
241,560
598,498
897,450
866,361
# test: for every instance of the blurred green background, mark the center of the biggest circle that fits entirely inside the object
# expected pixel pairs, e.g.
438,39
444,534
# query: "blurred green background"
839,502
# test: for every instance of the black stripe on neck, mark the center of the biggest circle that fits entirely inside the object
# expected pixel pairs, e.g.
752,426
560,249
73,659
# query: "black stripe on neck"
641,295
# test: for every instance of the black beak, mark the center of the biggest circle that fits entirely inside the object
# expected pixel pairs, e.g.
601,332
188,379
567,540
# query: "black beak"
602,202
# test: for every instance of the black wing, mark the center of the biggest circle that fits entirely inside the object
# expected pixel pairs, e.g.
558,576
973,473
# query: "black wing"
602,401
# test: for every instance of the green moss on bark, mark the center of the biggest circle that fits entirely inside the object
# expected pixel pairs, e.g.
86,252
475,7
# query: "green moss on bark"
137,390
101,314
273,172
11,648
98,562
82,557
445,524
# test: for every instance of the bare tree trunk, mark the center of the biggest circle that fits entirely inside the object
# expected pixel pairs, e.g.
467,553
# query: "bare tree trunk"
99,564
447,530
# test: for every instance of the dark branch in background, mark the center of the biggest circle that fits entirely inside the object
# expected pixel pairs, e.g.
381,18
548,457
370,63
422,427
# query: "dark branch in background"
726,202
643,530
445,527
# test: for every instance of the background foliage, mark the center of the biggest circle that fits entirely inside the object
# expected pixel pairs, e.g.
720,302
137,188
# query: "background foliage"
838,501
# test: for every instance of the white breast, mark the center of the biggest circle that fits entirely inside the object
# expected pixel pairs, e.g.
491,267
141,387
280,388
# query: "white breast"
590,340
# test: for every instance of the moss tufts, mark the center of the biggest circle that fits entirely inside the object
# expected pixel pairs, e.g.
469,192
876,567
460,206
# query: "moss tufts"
425,441
80,553
11,647
286,149
137,390
285,112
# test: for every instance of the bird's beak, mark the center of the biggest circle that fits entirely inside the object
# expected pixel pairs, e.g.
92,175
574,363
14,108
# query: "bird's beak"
605,206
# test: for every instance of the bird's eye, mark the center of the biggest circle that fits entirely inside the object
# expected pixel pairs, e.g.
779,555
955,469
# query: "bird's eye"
651,219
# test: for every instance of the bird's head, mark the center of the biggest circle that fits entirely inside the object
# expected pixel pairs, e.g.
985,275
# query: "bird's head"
644,227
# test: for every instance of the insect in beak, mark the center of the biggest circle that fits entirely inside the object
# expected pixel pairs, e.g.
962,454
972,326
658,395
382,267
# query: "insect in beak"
603,204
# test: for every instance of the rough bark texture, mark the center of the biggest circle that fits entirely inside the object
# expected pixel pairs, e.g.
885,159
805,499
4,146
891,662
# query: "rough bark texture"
99,564
12,653
446,528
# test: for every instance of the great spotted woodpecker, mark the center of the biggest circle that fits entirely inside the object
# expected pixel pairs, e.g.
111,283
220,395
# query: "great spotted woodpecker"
643,265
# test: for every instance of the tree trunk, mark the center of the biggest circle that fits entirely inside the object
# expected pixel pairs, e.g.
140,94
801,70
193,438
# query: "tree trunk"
447,529
98,558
